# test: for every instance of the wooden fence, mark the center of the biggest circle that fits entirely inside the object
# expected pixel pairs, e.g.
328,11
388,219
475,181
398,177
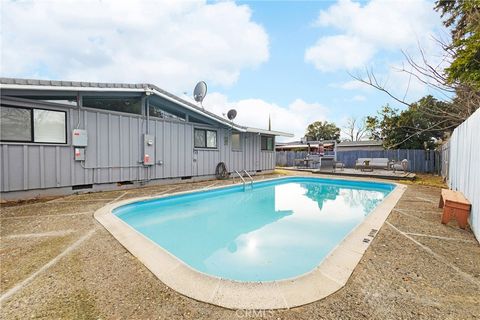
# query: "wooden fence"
425,161
445,153
464,165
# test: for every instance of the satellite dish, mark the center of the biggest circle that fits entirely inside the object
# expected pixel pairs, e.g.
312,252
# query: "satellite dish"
231,114
200,91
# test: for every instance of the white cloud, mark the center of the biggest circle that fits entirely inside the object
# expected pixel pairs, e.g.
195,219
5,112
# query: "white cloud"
170,43
358,98
293,118
368,29
338,52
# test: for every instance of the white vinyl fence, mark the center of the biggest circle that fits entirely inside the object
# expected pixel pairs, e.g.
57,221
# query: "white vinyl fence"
464,165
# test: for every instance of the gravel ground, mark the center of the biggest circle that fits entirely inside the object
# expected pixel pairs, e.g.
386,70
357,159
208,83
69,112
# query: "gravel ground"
416,268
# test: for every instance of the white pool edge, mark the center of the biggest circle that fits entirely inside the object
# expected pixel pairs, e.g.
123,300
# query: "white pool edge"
328,277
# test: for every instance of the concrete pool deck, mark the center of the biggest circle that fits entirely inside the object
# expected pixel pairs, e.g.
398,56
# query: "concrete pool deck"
58,262
328,277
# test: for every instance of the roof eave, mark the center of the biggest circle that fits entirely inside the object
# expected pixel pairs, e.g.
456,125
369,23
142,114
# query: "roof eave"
187,106
147,90
269,132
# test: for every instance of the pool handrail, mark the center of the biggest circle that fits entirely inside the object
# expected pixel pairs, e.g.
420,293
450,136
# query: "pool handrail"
251,179
243,180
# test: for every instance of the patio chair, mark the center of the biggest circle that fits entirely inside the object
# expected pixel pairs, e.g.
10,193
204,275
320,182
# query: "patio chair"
315,161
360,163
400,165
338,165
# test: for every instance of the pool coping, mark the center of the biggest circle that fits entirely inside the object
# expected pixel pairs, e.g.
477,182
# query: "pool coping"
328,277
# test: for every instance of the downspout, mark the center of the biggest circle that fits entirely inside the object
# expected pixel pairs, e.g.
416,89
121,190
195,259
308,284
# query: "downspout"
147,127
79,106
147,112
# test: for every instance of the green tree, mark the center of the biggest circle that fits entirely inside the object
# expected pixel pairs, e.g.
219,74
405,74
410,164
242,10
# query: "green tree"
319,130
463,18
412,128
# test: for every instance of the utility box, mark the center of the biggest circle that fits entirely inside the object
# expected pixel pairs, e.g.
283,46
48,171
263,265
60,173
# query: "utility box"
79,154
148,150
79,138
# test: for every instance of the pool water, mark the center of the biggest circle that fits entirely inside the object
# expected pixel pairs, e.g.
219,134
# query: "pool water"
276,230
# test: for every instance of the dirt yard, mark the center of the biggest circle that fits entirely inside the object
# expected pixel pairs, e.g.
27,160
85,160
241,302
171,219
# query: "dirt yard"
58,262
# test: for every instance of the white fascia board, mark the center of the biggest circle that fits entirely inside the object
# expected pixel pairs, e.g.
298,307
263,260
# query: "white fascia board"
60,88
271,132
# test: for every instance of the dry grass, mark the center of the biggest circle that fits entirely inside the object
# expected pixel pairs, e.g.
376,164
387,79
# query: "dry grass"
424,179
282,172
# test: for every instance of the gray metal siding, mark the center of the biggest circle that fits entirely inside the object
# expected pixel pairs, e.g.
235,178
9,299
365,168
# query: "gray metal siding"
116,140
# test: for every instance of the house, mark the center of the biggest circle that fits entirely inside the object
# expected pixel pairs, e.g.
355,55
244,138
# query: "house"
59,137
367,145
314,147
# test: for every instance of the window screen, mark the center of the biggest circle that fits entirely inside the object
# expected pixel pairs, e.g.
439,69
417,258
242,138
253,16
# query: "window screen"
200,138
211,139
236,141
15,124
49,126
267,143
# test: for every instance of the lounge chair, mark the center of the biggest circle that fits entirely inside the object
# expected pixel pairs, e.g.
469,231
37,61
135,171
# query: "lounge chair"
374,163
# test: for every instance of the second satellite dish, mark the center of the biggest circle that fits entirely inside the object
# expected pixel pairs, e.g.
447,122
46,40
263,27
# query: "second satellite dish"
200,91
231,114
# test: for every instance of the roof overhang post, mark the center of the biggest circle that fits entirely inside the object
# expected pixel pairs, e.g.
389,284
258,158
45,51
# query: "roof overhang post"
335,150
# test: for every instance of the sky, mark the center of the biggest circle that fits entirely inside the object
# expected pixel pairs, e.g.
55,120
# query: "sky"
290,60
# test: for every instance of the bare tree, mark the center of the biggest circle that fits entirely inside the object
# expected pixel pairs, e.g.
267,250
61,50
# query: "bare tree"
461,99
355,130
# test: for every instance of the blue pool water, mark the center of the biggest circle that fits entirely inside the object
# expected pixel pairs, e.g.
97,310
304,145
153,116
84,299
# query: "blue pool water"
277,230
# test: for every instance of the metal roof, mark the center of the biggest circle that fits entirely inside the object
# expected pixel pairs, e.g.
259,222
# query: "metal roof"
306,142
38,84
360,143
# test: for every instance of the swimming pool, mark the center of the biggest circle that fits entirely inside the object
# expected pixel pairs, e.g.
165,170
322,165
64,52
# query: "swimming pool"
288,242
276,230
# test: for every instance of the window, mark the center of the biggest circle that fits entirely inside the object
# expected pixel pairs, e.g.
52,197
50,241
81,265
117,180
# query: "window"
68,100
120,104
267,143
16,124
211,139
33,125
205,138
159,112
236,142
62,101
49,126
200,141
